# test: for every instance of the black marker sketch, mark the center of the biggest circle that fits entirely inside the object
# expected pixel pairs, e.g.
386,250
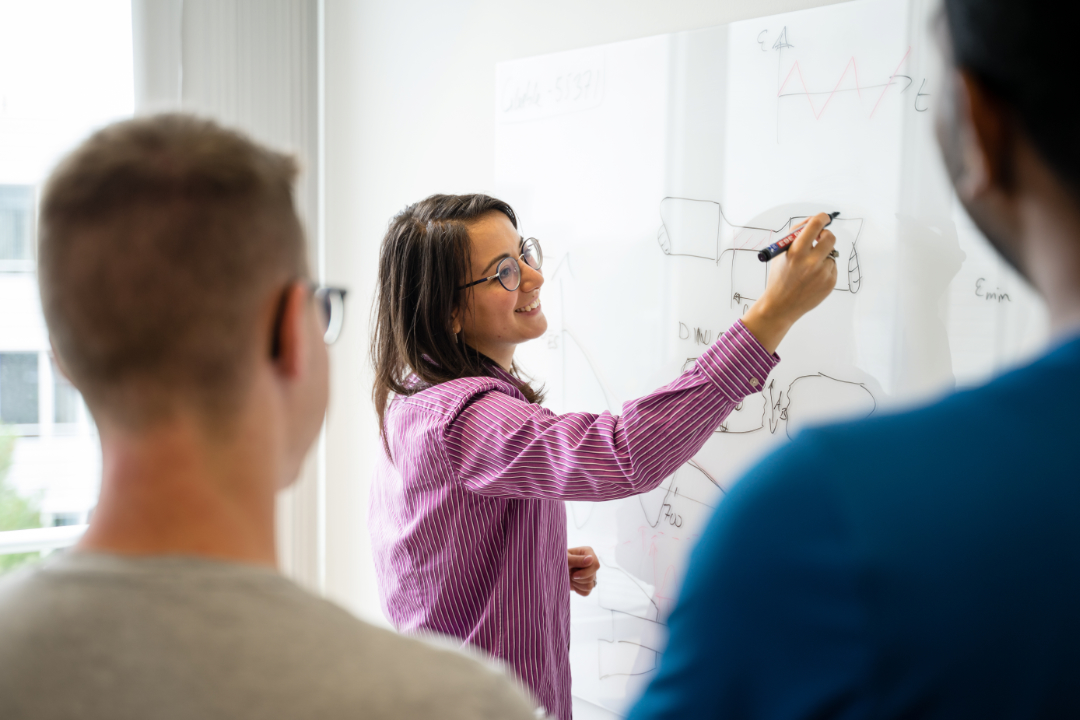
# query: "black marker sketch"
580,512
996,296
623,593
782,41
825,397
748,276
921,94
569,345
634,645
685,500
700,229
615,660
778,412
820,397
690,484
779,45
747,417
690,227
854,272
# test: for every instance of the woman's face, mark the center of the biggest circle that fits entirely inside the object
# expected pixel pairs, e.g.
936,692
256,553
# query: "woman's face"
495,320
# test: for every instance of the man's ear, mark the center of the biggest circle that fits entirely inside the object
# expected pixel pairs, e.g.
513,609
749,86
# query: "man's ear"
986,138
289,352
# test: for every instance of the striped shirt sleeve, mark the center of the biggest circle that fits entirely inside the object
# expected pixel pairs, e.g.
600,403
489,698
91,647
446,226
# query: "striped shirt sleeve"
501,446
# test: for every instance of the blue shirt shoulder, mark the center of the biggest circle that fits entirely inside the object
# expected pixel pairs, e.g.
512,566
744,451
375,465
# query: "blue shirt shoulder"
924,563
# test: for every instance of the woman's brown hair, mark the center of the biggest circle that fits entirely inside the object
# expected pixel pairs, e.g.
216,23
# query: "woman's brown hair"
424,259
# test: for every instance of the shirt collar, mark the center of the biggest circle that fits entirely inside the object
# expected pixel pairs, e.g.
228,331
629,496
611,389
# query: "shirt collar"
502,374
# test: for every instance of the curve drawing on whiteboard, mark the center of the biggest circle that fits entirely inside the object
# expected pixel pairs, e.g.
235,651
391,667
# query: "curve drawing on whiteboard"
789,86
825,398
699,229
692,484
633,650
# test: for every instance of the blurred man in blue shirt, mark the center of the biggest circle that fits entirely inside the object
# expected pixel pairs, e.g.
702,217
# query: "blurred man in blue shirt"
945,583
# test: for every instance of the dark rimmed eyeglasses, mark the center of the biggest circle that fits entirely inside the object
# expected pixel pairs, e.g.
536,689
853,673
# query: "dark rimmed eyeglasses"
508,271
331,301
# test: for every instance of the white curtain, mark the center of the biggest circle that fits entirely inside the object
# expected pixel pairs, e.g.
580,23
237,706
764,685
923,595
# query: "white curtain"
251,64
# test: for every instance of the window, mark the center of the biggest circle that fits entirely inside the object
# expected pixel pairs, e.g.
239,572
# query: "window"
16,227
19,388
66,399
65,70
64,519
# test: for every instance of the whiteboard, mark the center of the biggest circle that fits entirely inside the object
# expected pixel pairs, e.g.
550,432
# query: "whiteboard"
651,171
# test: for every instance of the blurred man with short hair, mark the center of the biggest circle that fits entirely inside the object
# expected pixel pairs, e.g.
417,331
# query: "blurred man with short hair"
176,291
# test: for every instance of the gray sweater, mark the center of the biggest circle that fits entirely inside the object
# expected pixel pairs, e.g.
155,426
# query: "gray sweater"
95,636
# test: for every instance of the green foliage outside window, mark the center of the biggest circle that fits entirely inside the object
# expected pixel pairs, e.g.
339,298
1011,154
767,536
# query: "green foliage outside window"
16,512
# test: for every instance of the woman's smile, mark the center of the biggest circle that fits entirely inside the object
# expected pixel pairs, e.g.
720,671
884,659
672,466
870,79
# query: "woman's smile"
531,309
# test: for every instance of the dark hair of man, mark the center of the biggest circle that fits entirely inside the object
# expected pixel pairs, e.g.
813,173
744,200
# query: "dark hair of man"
424,259
1016,49
162,240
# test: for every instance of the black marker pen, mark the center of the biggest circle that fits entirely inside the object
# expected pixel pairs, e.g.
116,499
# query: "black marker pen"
781,246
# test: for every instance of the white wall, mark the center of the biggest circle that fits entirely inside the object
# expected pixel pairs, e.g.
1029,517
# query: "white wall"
409,93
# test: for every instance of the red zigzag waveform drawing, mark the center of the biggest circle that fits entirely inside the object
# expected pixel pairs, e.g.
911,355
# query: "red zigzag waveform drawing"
797,68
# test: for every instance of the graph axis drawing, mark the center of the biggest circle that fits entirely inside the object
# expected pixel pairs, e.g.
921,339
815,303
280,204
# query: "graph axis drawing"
796,70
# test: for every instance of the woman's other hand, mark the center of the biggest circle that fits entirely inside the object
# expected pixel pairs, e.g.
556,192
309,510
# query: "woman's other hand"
798,281
583,566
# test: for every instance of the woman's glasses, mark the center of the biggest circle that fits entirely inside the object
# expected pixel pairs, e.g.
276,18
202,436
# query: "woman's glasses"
331,301
508,271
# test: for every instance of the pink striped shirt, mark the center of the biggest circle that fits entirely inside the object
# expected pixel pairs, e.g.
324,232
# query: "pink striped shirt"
468,523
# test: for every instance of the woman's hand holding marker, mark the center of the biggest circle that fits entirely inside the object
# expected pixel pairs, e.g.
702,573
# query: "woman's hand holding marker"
798,282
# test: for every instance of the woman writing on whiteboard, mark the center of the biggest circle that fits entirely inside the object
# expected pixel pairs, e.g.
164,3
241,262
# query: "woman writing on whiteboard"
467,517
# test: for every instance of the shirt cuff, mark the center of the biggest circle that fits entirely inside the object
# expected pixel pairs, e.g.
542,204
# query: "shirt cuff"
737,364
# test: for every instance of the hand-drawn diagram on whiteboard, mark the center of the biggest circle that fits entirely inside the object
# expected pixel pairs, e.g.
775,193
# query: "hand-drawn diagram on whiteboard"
689,491
637,594
699,229
654,184
819,397
793,87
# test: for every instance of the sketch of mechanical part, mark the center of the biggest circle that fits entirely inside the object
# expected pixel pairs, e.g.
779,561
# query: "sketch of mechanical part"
690,228
814,399
747,276
747,417
854,272
700,229
846,231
